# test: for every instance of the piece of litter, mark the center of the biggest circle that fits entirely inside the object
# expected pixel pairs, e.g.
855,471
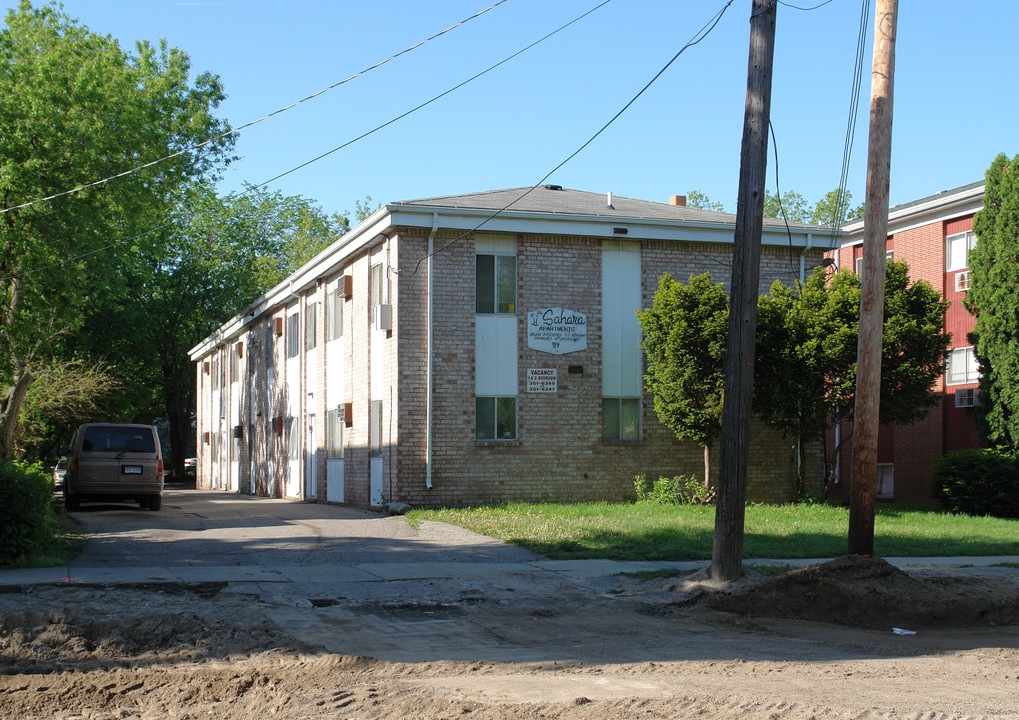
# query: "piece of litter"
900,631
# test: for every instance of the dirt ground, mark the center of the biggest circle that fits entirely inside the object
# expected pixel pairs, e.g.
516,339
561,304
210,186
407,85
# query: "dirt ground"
853,638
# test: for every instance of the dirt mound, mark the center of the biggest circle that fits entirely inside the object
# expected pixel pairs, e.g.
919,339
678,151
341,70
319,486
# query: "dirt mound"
871,593
88,631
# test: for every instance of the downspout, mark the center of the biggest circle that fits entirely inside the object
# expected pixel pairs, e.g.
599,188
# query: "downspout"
799,440
428,362
807,247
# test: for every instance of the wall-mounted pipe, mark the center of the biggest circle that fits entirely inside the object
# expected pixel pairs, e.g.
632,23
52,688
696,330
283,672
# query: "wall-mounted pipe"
428,361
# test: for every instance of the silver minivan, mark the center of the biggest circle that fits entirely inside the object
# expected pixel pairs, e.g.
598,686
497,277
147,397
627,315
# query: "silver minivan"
114,461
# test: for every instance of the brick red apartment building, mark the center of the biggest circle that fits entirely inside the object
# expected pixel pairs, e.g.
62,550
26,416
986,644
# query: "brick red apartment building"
934,235
472,349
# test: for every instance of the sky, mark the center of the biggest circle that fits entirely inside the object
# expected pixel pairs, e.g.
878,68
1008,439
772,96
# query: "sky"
534,118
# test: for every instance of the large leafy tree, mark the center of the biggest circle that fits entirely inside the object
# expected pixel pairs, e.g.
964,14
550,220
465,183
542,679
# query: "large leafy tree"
684,335
992,296
214,256
807,346
76,109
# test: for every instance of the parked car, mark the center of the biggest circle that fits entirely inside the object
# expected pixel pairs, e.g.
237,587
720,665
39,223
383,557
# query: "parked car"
59,470
190,467
114,461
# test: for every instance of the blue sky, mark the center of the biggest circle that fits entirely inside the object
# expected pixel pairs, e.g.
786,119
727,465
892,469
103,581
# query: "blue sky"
955,105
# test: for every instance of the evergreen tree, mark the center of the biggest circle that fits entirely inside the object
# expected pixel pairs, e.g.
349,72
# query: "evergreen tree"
992,296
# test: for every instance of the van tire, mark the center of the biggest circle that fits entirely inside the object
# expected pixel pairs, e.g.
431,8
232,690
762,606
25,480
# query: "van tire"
155,502
71,502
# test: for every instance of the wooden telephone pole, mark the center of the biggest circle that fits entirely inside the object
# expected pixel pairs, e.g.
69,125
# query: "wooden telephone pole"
730,510
872,296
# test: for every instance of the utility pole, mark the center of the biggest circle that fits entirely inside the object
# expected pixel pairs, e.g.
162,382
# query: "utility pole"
872,295
730,506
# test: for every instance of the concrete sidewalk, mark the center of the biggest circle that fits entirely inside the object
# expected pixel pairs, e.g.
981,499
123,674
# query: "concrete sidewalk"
383,572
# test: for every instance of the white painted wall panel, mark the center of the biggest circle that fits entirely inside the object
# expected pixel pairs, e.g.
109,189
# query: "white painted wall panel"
495,343
621,298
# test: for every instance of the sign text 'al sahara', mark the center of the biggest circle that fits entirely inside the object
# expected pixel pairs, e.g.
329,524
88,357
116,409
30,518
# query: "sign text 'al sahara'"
556,330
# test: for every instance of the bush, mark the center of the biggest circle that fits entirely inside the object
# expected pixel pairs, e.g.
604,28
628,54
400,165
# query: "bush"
27,520
680,490
978,482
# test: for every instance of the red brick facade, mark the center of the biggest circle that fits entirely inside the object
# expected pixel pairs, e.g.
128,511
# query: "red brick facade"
918,234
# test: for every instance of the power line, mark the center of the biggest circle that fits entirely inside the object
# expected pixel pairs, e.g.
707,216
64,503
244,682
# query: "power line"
232,131
704,31
443,94
251,188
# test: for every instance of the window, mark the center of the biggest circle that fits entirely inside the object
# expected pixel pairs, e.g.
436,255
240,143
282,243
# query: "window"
293,333
375,441
334,433
962,366
496,418
294,440
858,263
496,284
235,362
620,418
311,326
334,314
957,249
379,294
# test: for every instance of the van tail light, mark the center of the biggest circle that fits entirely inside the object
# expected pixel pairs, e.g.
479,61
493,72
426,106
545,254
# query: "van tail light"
159,467
74,466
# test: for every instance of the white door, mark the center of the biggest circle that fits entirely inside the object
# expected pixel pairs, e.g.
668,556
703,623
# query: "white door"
334,480
375,487
311,464
293,483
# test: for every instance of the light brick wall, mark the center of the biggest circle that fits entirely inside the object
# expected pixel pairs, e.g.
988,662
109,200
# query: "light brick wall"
558,455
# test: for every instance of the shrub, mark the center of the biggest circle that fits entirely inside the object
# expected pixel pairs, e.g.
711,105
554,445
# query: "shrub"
27,520
679,490
978,482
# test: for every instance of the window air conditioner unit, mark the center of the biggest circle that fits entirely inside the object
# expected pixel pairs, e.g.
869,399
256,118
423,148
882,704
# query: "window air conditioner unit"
962,281
967,397
382,317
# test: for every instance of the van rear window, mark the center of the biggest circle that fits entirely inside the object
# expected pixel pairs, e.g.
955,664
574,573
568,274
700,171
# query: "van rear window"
114,439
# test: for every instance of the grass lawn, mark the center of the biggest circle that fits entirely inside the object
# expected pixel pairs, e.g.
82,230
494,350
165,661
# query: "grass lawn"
686,532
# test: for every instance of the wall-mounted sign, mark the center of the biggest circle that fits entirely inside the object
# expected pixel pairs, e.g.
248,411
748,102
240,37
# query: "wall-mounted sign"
542,380
556,330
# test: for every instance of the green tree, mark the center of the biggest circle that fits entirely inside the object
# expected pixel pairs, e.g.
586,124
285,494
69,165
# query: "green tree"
994,277
834,209
684,335
807,351
697,199
792,203
76,109
214,257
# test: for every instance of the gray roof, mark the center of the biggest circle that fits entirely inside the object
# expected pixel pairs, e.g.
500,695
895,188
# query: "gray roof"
555,199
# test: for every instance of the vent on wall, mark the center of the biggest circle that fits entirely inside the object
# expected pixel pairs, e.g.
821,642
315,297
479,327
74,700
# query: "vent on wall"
962,281
967,397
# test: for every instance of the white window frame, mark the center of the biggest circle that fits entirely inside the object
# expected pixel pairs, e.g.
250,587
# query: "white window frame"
334,314
334,433
971,368
962,243
858,263
311,326
293,334
502,267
